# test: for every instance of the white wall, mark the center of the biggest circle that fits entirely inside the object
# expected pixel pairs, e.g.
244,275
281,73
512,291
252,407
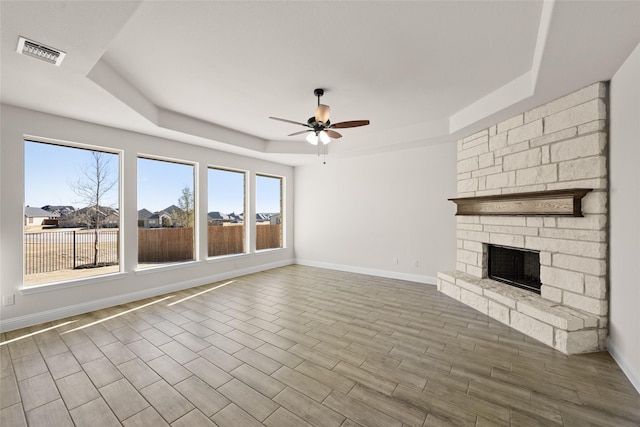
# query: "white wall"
129,285
624,323
360,213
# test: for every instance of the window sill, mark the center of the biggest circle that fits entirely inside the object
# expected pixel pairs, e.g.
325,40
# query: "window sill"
270,250
54,286
165,267
229,257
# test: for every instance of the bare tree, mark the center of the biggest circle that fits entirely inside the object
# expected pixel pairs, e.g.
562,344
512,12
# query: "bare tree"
92,186
185,216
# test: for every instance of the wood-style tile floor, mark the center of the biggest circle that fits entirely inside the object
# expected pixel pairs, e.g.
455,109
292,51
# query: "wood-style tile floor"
299,346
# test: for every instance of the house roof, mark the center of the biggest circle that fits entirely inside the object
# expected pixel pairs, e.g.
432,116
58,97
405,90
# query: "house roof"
422,72
31,212
144,214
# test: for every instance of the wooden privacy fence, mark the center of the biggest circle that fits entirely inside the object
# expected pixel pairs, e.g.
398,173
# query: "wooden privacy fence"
225,240
176,244
268,236
165,244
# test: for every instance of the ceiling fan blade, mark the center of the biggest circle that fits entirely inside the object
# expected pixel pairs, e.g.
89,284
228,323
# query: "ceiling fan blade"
302,131
333,134
322,113
290,121
351,124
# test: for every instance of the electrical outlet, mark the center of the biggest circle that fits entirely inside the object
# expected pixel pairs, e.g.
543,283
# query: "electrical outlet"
394,261
8,300
415,263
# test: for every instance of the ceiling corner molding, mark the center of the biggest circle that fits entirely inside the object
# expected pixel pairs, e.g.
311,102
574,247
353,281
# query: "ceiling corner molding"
517,90
108,79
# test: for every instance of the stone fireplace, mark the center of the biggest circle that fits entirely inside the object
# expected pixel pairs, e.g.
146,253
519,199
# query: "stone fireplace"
561,145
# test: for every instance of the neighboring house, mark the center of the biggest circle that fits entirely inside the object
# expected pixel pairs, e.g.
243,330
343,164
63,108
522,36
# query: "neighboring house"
148,219
38,216
274,219
263,217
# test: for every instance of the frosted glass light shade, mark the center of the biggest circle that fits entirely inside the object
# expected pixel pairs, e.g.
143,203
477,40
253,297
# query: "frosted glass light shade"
324,138
312,138
322,113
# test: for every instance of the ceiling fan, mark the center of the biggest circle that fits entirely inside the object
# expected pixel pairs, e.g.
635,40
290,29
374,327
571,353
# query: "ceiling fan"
319,125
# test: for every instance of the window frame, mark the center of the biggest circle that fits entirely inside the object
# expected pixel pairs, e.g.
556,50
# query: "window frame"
283,240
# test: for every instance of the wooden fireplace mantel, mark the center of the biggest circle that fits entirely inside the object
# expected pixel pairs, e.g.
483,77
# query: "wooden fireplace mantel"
553,202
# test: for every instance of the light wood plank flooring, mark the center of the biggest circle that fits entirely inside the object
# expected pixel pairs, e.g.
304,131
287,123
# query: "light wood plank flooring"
300,346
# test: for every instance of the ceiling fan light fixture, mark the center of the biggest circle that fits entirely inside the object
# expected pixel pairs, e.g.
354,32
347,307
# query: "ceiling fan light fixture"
324,137
322,113
312,139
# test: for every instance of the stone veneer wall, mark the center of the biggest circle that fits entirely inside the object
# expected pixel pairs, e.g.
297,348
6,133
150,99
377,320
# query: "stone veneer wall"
559,145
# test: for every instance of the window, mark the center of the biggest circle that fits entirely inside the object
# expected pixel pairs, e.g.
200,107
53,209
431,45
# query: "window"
72,218
166,212
268,212
225,218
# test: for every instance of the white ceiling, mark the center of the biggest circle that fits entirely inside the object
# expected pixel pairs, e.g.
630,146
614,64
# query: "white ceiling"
211,73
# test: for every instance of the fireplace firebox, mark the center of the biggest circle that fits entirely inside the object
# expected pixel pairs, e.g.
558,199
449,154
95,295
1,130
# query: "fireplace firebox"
516,267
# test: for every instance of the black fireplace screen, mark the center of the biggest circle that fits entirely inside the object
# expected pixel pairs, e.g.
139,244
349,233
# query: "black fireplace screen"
515,267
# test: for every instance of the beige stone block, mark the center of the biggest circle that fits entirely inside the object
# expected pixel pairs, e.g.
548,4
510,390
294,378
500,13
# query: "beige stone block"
473,246
466,193
470,285
447,276
487,171
505,229
525,189
586,235
473,151
596,267
551,293
506,295
576,148
498,160
468,165
501,180
554,137
491,192
549,221
467,185
467,257
580,114
515,148
595,126
585,303
511,123
595,90
594,183
595,202
570,247
476,135
461,266
474,300
545,258
544,311
498,141
546,154
537,175
532,327
485,160
468,219
514,221
493,130
589,320
603,336
472,227
522,160
563,279
450,290
499,312
590,167
462,176
482,183
535,222
576,342
474,142
525,132
475,271
589,222
595,286
506,240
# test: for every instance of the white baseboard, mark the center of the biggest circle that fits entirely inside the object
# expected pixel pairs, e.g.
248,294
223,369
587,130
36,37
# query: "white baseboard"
74,310
429,280
622,363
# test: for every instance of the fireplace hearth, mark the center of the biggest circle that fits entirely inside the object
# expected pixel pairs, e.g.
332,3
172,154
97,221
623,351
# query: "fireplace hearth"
515,267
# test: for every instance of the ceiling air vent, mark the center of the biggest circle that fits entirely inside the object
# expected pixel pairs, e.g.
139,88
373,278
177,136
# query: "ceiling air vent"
40,51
